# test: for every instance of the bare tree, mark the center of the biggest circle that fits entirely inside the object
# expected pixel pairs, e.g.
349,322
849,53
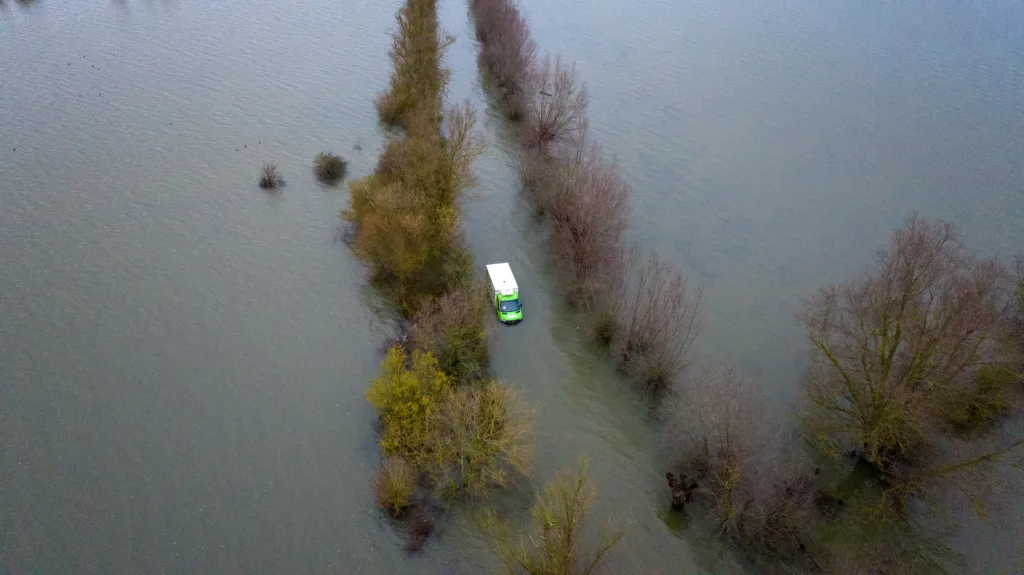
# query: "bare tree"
270,177
717,430
506,51
588,204
658,319
555,544
887,349
462,145
452,328
558,105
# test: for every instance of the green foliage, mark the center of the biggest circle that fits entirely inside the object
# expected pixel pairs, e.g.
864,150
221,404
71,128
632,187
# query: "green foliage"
329,167
405,396
479,438
555,544
405,215
395,485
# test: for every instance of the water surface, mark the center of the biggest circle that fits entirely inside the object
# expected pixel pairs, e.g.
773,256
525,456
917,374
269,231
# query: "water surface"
183,357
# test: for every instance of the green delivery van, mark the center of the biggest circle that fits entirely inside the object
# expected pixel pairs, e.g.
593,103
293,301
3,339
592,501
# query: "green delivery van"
505,293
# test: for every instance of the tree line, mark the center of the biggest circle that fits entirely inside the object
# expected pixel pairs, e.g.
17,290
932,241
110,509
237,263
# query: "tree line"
447,430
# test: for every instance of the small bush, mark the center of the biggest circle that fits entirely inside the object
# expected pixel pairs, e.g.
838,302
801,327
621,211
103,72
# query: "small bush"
405,396
605,326
555,544
421,525
394,485
717,431
270,178
329,167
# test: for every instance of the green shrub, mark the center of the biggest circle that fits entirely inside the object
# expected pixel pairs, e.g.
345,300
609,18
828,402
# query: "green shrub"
329,167
394,485
405,395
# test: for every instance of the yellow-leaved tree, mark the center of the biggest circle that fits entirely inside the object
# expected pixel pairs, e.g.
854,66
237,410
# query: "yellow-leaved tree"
405,394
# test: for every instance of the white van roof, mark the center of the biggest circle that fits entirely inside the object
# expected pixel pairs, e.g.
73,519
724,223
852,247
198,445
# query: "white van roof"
502,279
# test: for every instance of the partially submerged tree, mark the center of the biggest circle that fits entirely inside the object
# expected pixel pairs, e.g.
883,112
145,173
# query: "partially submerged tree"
394,485
716,430
657,318
418,79
506,51
890,349
406,395
557,112
270,177
480,437
453,329
329,168
588,203
556,543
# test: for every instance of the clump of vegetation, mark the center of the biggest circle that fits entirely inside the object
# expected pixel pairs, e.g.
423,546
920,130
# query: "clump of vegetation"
506,52
466,439
557,112
405,213
973,407
270,177
451,328
717,431
555,544
417,77
329,168
480,437
406,395
870,542
421,525
658,320
395,485
917,345
588,205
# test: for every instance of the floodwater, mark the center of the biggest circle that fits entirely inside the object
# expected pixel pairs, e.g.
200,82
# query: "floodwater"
183,356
